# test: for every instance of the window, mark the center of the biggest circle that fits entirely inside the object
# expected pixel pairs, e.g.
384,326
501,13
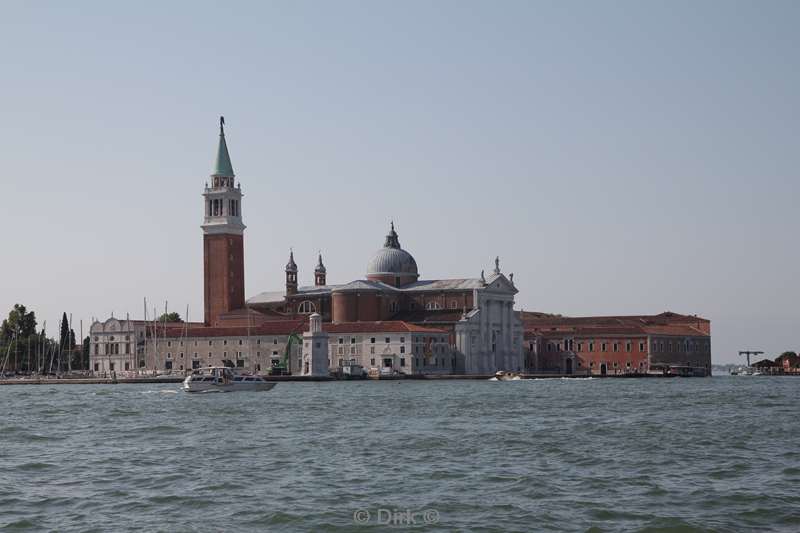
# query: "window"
616,346
372,340
641,346
372,361
591,346
97,367
341,350
352,340
580,346
306,308
393,307
402,349
628,346
167,365
240,342
240,363
453,304
209,355
210,343
402,339
603,347
225,342
275,341
402,361
169,343
387,340
372,350
352,350
341,340
169,355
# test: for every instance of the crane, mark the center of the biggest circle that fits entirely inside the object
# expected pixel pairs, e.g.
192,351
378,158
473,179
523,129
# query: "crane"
283,368
748,353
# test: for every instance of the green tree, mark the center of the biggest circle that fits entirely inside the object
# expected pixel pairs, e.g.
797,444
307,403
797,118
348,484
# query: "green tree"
20,321
170,317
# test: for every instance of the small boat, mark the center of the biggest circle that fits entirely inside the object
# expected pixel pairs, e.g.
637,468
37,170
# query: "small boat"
224,379
505,376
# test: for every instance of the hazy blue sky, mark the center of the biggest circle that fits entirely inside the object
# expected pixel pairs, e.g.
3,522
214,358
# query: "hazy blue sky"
619,157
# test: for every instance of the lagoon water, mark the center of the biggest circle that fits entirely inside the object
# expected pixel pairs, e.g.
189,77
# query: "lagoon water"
720,454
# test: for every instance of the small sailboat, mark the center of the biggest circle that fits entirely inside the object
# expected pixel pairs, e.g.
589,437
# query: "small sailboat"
224,379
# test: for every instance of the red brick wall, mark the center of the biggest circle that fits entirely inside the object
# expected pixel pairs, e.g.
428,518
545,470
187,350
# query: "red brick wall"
223,269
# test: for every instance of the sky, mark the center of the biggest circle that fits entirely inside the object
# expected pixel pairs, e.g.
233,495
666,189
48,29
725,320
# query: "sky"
619,157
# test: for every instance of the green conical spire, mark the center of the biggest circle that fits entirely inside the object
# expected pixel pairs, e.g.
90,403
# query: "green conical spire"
223,167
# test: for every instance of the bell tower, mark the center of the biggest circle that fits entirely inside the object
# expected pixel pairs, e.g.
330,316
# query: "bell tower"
223,238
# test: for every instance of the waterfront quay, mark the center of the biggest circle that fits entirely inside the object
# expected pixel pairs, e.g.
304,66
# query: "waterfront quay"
399,377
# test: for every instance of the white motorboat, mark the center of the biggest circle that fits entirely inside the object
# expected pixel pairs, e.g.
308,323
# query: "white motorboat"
505,376
224,379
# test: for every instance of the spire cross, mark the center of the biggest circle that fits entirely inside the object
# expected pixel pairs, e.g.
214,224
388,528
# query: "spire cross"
221,125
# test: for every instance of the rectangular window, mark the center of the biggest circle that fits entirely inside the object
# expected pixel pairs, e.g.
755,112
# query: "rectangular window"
341,340
603,347
641,346
591,346
402,339
402,349
352,340
387,340
628,346
372,350
372,361
580,346
616,346
402,361
372,340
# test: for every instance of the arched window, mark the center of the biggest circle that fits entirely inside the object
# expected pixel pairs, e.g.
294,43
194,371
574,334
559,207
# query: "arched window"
431,306
306,308
393,306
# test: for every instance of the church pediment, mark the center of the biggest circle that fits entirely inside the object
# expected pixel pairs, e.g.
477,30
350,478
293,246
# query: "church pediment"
498,282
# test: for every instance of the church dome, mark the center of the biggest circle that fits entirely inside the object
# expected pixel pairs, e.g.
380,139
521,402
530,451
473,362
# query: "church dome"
391,259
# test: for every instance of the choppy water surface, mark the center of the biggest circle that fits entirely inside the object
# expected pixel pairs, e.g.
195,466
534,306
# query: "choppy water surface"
681,454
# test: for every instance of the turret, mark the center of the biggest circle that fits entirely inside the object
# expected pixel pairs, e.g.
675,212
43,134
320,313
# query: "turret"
319,272
291,275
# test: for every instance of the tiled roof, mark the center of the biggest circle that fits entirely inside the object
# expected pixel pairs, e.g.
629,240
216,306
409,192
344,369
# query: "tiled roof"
444,285
286,327
635,325
365,285
389,326
274,327
439,316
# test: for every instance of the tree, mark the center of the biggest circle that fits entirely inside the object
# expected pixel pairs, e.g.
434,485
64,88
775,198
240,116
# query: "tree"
170,317
791,357
19,322
63,340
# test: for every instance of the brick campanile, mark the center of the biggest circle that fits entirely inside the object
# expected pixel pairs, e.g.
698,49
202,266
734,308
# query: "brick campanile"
223,238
